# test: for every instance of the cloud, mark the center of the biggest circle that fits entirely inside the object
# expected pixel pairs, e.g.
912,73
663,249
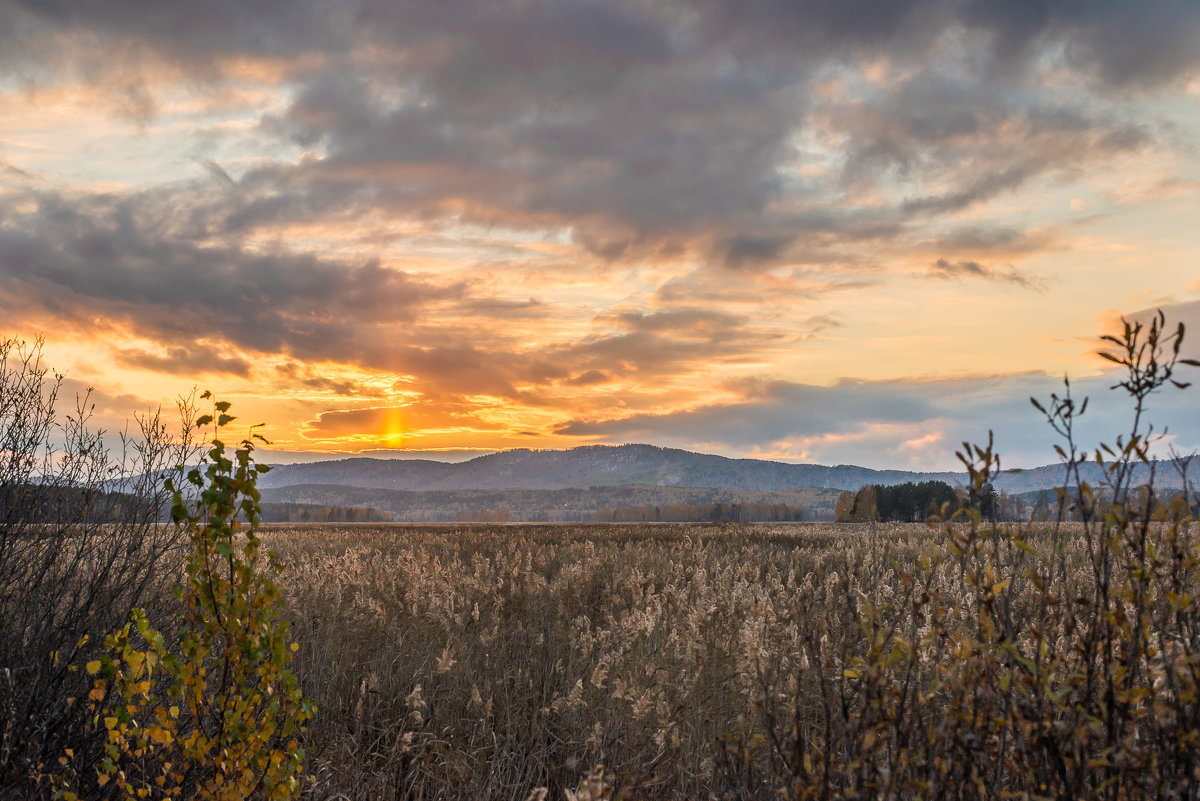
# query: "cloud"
588,378
186,361
964,139
742,249
218,172
822,322
1113,43
973,269
642,128
996,241
873,423
666,342
123,260
944,269
147,266
1186,313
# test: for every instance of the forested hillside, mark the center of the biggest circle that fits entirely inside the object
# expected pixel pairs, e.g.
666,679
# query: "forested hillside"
567,505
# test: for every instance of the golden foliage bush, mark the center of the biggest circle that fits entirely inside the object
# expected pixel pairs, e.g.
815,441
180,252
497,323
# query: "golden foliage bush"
221,720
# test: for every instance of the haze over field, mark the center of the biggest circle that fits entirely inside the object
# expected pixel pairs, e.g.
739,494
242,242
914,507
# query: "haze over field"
839,233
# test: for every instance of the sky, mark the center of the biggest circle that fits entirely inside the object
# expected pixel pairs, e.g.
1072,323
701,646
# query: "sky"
857,232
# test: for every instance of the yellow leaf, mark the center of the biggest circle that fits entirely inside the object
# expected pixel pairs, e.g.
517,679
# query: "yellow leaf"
101,778
110,723
93,667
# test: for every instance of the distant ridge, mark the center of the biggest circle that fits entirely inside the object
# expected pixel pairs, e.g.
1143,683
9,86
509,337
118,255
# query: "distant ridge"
616,465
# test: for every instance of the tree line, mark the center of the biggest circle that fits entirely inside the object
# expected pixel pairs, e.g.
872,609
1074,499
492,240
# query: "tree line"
916,502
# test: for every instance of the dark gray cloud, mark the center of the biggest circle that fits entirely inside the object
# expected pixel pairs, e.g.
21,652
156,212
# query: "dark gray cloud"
139,266
668,342
1113,41
645,165
970,137
186,361
194,34
644,127
122,261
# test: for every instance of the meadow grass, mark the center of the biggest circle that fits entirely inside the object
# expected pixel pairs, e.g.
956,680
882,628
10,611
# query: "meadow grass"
485,661
702,661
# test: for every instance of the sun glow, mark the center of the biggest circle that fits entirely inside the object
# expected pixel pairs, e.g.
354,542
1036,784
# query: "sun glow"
393,428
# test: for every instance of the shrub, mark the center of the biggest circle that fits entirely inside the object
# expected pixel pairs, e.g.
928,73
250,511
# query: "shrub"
80,544
227,730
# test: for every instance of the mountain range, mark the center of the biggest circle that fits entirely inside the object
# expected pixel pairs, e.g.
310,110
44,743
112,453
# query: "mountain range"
621,465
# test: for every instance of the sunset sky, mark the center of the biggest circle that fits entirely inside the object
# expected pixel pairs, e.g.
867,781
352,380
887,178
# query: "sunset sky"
853,232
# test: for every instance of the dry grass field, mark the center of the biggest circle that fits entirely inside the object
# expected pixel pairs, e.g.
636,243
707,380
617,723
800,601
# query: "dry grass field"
485,661
741,661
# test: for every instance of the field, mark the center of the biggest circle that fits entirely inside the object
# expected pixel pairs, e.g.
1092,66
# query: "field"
741,661
481,662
